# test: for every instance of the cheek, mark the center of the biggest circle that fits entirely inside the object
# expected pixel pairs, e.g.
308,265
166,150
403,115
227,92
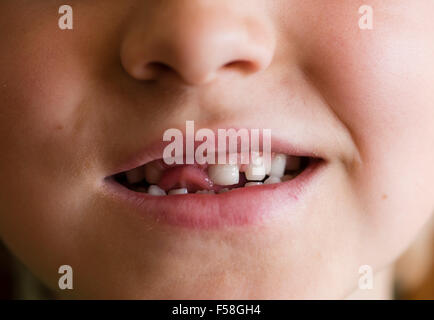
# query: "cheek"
380,84
43,93
40,113
39,83
40,89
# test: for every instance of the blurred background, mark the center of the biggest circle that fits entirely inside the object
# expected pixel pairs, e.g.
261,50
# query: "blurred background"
414,273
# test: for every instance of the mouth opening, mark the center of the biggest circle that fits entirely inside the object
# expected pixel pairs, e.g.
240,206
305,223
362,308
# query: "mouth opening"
159,179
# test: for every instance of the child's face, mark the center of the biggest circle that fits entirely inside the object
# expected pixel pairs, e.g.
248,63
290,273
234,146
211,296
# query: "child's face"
77,104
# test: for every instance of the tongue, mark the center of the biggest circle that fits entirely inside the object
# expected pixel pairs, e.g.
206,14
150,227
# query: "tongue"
190,177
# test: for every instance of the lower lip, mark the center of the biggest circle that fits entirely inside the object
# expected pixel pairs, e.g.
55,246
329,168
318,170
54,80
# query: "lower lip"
240,207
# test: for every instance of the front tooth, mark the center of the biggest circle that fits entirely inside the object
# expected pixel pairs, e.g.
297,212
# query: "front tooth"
224,174
278,165
272,180
256,170
252,184
255,173
224,190
178,191
293,163
156,191
153,173
135,175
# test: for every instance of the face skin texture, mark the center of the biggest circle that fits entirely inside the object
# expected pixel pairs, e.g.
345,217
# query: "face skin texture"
75,103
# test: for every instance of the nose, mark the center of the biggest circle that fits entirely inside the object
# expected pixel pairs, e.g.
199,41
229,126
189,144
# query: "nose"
197,41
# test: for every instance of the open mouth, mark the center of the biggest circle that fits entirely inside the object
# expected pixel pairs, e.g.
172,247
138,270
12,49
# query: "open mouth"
158,179
213,196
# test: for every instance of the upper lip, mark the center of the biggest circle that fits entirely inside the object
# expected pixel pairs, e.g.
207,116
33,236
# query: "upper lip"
154,151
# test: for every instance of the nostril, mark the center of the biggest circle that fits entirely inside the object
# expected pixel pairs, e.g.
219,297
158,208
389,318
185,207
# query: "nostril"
158,66
241,65
153,70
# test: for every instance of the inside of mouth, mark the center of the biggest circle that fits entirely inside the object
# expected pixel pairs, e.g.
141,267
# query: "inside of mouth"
158,179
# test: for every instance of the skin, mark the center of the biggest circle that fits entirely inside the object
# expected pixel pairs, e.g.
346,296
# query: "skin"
73,104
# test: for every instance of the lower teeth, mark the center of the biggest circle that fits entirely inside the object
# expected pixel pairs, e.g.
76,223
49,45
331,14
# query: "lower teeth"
252,184
272,180
224,190
156,191
178,191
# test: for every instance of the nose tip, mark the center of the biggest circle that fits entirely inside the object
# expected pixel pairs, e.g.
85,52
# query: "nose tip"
197,47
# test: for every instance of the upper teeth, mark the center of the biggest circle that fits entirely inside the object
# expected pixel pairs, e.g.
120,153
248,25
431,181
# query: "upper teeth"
224,174
257,169
278,165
